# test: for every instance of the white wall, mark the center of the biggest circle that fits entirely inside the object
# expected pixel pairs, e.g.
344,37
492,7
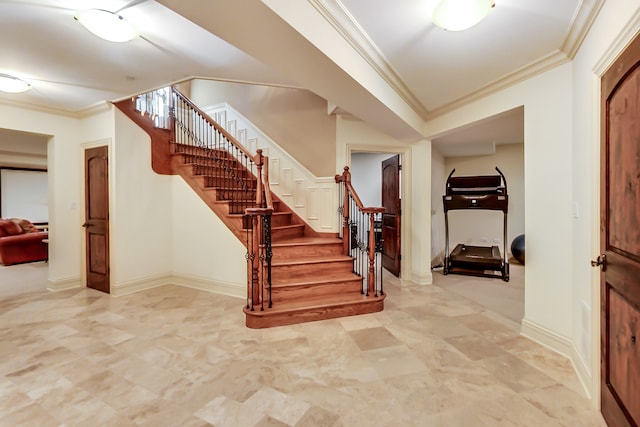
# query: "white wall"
23,194
561,171
486,227
296,119
438,182
366,176
140,211
548,183
19,149
204,250
161,230
355,136
615,26
64,185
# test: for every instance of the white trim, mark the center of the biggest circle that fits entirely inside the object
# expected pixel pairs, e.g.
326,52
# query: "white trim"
133,286
561,345
57,285
623,39
405,196
582,371
548,338
595,247
290,180
422,279
214,286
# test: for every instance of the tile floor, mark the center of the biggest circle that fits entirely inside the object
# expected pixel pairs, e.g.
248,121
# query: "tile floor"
175,356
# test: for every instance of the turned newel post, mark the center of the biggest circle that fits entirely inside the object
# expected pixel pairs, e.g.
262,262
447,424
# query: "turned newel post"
259,164
345,178
371,250
255,265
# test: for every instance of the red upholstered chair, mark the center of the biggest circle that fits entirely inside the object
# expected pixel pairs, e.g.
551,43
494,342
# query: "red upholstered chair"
21,242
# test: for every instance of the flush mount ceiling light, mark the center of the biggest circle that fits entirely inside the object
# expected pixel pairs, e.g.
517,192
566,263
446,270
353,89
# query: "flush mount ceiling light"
459,15
107,25
13,84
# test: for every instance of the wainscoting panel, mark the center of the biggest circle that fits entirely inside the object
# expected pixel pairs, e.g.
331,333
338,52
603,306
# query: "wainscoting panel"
311,197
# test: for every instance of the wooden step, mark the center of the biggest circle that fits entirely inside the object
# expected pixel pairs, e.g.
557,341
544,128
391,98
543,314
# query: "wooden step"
306,246
226,181
314,288
309,310
306,268
287,232
199,151
235,194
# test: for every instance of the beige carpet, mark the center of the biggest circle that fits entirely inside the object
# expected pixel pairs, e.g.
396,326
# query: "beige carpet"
22,278
505,298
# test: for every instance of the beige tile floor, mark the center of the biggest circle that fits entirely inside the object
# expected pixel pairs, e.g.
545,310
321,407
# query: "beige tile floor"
175,356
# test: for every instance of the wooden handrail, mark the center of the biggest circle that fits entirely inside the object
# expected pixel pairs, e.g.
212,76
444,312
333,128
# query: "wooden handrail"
351,196
219,128
346,178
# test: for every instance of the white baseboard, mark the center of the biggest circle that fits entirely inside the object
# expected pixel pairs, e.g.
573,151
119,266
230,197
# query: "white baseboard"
56,285
133,286
561,345
214,286
422,279
200,283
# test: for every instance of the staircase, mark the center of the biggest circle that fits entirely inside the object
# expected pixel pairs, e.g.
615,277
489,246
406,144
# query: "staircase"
312,276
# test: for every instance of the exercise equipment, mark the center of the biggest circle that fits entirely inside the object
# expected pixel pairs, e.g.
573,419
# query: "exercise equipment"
480,192
517,248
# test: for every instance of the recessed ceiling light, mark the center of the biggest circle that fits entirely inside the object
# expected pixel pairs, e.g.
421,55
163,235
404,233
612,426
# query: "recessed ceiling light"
107,25
459,15
13,84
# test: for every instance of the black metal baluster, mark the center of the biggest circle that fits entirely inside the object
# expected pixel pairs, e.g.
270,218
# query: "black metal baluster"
269,253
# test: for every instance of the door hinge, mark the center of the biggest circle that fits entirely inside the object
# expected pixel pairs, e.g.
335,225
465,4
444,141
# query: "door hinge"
399,257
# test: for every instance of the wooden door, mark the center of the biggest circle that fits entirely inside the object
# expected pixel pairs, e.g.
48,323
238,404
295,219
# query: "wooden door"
620,240
391,215
97,218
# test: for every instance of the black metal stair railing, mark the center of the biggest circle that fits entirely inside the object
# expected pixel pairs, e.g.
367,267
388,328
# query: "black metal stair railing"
360,234
227,165
239,177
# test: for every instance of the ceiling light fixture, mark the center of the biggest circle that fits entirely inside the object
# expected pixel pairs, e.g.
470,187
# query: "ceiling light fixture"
13,84
459,15
107,25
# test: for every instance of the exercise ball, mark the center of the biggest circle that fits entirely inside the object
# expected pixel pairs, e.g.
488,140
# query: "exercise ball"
517,248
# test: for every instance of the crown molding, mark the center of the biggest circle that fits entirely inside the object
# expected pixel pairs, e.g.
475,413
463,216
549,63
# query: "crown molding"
339,17
546,63
39,108
581,23
621,41
334,12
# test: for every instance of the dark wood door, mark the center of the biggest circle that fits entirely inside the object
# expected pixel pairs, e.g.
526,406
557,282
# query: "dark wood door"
391,215
620,240
97,218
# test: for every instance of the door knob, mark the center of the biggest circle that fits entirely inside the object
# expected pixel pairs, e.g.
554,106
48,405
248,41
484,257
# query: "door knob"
87,225
601,262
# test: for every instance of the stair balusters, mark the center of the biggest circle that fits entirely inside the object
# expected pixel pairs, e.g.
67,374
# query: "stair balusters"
359,234
235,173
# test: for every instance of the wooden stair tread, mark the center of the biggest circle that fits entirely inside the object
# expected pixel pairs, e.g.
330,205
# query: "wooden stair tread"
311,260
312,278
327,279
319,302
308,240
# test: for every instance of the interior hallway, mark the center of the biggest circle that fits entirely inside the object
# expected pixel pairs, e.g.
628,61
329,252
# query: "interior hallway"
175,356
